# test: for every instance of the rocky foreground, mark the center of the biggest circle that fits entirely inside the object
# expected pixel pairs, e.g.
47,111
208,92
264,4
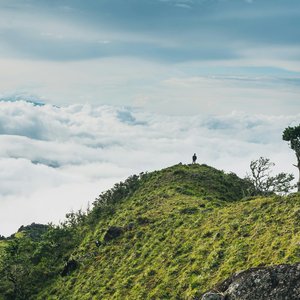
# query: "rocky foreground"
281,282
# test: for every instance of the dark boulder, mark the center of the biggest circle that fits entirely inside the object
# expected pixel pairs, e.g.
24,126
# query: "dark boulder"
281,282
189,210
69,267
212,296
130,226
143,221
112,233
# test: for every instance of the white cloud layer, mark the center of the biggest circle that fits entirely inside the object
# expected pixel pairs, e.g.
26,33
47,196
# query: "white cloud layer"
54,159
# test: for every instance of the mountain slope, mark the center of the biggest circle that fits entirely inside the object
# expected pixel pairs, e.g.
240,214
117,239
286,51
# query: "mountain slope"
170,234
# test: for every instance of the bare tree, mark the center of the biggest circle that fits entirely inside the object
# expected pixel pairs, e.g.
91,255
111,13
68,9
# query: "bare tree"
264,183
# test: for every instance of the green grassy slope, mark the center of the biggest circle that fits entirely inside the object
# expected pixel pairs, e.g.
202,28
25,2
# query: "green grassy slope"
182,230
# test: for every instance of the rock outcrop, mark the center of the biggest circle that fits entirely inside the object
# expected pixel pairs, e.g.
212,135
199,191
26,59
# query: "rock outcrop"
69,267
112,233
281,282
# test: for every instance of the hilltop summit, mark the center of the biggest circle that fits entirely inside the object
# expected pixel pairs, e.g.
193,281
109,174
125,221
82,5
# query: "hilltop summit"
168,234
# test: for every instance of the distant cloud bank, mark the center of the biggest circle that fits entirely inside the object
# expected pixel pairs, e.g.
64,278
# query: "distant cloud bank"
54,159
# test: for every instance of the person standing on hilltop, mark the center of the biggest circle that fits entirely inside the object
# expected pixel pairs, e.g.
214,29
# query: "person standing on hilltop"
194,158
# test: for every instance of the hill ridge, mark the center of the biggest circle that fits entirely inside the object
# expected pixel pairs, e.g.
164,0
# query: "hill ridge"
168,234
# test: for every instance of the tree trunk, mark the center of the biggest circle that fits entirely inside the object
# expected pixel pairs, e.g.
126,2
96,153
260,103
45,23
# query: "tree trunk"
298,183
298,166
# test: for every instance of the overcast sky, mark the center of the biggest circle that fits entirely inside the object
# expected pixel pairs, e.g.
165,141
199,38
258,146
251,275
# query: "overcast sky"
135,85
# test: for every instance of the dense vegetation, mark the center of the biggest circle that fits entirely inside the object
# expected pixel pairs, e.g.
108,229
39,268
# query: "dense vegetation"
292,135
169,234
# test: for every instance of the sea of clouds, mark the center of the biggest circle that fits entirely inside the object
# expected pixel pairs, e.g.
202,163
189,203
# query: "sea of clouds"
57,159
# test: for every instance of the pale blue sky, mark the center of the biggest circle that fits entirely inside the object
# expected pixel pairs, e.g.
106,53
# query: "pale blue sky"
169,56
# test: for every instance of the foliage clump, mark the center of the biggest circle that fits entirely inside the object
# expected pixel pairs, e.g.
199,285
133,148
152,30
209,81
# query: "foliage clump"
292,135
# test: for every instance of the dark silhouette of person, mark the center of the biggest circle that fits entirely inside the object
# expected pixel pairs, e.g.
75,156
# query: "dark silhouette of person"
194,158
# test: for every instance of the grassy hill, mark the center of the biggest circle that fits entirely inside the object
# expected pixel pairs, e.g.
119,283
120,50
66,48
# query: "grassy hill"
169,234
